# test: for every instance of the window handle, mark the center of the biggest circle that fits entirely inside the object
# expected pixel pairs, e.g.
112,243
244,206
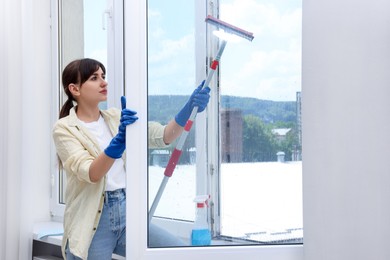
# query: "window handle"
106,13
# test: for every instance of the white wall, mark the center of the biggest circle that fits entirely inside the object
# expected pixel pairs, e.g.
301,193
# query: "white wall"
25,77
346,126
346,90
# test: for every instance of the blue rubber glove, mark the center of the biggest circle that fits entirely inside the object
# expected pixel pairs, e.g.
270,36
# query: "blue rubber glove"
199,98
118,144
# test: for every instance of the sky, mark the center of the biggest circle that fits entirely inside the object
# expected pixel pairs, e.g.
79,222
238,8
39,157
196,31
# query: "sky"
268,68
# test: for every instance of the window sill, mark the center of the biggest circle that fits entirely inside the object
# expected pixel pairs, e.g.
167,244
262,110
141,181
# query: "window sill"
51,233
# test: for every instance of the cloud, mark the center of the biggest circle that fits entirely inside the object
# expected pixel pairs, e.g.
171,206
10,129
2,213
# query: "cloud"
169,67
168,48
273,75
170,54
269,67
259,17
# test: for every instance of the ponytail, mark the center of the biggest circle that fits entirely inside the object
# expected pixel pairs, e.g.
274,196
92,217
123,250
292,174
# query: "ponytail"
66,108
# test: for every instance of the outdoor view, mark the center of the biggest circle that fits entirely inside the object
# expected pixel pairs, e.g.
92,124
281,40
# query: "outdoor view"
261,172
257,194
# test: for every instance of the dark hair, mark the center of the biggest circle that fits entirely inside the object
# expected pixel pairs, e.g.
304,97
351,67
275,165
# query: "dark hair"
77,72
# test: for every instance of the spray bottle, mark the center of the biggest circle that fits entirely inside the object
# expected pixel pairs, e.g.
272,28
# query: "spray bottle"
201,235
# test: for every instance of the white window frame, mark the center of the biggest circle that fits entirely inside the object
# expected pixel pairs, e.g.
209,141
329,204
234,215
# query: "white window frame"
56,208
136,86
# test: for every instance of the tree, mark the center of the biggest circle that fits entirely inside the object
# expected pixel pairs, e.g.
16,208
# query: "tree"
258,142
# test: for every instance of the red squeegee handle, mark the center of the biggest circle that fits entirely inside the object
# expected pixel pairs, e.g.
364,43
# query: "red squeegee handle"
172,162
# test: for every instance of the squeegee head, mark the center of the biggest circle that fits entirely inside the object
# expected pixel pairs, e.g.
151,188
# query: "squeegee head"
228,28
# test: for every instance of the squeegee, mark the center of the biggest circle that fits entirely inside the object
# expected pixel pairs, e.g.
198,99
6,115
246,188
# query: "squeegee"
229,29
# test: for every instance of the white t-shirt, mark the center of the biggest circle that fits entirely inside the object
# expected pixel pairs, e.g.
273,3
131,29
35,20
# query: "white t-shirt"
116,176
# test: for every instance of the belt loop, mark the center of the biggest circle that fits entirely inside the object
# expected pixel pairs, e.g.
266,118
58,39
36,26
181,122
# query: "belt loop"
105,197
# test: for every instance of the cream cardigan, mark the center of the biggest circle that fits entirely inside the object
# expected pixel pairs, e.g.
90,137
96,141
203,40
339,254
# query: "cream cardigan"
77,148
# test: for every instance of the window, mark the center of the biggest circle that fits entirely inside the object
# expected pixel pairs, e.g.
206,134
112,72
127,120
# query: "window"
246,123
246,151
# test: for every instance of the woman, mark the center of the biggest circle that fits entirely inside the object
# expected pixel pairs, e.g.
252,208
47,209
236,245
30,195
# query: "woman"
90,144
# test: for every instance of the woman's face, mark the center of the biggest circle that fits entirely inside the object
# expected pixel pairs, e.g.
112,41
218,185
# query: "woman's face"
94,90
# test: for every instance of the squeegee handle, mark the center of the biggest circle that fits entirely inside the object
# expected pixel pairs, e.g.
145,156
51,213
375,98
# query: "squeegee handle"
175,156
158,197
172,162
214,64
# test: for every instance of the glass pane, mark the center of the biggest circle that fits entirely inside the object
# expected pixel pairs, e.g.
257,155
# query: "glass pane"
260,176
260,85
171,80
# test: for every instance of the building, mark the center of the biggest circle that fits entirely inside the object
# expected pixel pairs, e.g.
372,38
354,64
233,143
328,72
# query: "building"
280,133
231,128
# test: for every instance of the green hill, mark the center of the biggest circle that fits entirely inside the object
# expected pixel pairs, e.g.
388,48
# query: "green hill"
162,108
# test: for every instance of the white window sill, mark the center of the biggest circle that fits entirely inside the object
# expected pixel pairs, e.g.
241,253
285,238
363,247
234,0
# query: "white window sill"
51,233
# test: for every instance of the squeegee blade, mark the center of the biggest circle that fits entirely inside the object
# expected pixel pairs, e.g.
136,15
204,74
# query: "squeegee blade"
229,28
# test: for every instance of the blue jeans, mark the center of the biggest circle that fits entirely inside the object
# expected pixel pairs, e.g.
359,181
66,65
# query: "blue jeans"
110,236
